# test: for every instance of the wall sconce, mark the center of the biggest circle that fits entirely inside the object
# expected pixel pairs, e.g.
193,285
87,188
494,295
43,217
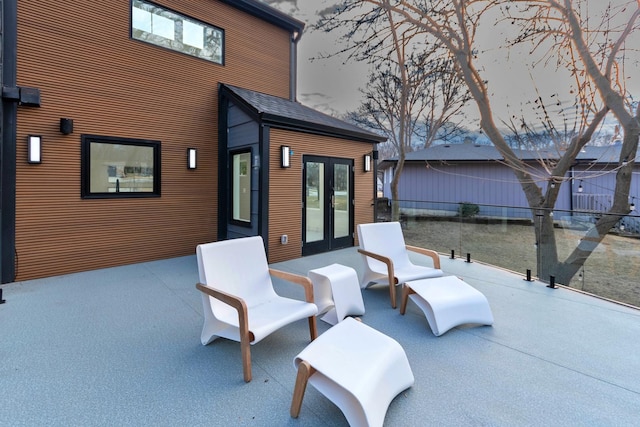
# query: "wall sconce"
580,189
35,149
285,158
367,162
191,158
66,126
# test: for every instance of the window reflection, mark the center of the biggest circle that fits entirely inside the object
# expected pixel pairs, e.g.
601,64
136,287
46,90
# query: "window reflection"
162,27
241,186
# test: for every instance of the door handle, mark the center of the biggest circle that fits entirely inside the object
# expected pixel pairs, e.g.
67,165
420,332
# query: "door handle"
333,201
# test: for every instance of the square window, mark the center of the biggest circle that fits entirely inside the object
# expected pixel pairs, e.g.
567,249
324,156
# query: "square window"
118,167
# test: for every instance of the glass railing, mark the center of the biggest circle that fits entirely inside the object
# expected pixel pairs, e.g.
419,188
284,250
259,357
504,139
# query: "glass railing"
506,237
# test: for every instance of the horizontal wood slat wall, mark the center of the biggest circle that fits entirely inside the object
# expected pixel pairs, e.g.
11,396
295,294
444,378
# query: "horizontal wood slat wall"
80,56
286,186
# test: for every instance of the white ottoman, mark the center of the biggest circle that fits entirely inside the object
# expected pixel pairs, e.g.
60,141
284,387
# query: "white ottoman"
336,292
358,368
447,302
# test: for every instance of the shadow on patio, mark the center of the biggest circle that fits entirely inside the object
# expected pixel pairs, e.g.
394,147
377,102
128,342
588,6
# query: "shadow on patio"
121,346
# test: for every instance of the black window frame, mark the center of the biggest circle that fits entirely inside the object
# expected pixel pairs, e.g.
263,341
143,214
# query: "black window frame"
85,167
188,18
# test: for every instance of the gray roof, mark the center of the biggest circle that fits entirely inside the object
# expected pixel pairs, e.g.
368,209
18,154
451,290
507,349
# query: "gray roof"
476,153
283,112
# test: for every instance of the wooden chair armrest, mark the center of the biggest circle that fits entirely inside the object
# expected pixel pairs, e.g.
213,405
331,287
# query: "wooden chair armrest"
428,252
307,284
246,336
390,271
235,302
303,281
379,257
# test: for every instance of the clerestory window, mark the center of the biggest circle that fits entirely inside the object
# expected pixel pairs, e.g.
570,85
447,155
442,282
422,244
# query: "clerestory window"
162,27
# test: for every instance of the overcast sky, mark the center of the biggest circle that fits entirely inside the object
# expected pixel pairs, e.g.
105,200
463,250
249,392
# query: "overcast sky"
330,85
325,84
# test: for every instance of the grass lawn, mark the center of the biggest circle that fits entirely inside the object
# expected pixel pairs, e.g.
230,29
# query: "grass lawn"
612,270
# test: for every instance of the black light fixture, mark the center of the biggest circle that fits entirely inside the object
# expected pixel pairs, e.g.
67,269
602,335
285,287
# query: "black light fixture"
191,158
34,143
66,126
285,156
580,187
367,162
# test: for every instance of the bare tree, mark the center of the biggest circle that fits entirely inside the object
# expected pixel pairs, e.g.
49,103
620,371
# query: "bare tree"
413,89
448,95
589,48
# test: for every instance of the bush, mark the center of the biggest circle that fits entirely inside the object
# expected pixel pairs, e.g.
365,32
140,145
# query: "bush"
468,210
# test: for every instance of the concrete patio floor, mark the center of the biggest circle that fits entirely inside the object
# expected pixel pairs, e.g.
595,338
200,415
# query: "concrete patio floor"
121,347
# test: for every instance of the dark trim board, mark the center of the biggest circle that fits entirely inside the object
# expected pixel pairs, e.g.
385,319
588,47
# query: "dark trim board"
8,142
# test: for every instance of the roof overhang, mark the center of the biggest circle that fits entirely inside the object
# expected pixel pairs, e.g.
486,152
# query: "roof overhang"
269,14
291,123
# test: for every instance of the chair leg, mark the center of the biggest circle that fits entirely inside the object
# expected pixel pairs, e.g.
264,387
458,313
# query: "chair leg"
392,289
245,347
392,295
406,291
304,372
313,328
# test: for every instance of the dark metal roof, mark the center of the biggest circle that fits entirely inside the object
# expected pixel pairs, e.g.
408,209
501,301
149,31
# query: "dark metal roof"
268,13
285,113
472,152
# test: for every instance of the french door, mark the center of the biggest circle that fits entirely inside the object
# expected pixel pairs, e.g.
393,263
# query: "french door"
327,222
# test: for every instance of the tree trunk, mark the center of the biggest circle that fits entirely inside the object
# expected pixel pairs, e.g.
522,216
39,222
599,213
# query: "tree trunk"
395,202
618,210
547,255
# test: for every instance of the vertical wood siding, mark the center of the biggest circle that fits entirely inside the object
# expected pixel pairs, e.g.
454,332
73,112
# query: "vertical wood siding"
286,186
79,54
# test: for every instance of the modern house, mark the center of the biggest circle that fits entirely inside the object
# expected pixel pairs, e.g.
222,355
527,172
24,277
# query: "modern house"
135,130
443,176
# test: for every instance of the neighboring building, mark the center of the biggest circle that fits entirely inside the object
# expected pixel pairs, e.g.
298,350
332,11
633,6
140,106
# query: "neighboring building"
441,177
119,92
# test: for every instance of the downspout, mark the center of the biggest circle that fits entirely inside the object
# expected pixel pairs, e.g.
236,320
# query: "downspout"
293,65
375,182
8,115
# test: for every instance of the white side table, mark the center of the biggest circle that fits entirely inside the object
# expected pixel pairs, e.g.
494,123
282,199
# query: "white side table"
336,292
361,370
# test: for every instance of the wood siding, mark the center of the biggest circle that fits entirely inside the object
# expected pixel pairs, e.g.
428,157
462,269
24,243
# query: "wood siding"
286,186
80,56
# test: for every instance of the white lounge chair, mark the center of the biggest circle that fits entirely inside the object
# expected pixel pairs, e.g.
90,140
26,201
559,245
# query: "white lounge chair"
358,368
238,298
386,260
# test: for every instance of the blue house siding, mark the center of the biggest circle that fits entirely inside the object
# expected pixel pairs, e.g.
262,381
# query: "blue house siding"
431,181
